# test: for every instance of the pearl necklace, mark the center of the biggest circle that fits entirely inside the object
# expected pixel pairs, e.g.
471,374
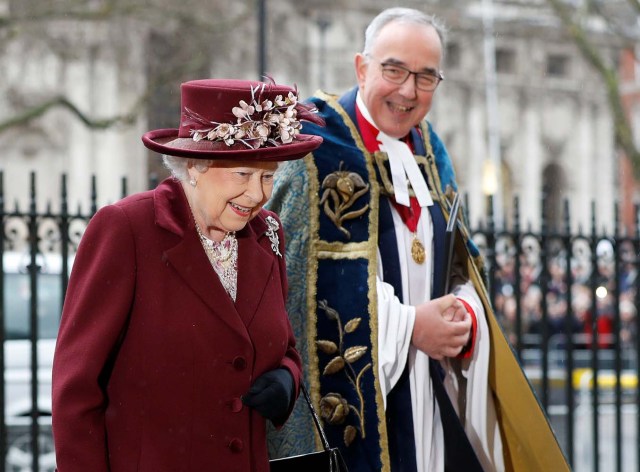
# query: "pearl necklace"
223,257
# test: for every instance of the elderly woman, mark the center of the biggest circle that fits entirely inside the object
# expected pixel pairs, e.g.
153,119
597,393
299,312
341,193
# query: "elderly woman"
174,346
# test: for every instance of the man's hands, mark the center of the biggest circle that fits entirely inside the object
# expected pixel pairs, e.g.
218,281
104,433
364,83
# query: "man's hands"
442,327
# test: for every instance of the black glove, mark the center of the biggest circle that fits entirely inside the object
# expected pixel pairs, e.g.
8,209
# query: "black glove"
271,394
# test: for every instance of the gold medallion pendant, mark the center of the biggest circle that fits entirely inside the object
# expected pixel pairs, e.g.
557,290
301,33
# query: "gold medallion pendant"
417,250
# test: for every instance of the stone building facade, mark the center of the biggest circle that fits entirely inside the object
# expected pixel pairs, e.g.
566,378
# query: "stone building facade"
554,124
551,114
96,67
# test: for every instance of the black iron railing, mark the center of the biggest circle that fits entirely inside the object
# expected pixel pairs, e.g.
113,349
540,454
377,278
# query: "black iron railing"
566,301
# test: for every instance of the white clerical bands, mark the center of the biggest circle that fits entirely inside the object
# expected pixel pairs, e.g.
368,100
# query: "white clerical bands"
404,168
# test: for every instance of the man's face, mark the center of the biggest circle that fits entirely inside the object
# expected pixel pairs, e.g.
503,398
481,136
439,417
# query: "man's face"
395,108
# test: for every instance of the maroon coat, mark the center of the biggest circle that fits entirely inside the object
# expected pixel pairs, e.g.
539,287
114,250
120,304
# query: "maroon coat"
153,355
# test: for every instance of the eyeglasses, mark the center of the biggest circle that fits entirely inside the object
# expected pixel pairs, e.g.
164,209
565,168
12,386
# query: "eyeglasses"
397,74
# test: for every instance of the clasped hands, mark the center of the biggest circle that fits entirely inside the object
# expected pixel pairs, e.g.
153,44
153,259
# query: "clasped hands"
442,327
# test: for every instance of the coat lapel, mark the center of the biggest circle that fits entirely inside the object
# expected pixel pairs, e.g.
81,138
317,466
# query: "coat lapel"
187,258
255,267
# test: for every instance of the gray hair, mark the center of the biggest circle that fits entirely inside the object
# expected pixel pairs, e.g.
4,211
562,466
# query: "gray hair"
400,14
179,165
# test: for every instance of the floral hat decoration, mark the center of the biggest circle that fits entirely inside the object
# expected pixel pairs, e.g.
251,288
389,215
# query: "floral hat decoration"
238,119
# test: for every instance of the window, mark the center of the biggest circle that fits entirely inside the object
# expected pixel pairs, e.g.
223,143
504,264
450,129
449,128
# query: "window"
452,56
18,305
505,61
557,65
637,64
17,295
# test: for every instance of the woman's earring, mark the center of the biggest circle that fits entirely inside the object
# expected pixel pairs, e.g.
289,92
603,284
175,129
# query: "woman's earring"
193,182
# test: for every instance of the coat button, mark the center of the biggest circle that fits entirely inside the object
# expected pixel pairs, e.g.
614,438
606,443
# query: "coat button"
239,363
236,445
236,405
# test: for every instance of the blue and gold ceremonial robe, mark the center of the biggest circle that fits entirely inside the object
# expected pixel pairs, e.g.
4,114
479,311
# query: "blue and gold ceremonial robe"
333,205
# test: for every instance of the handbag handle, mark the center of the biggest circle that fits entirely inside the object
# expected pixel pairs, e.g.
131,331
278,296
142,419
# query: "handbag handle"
316,420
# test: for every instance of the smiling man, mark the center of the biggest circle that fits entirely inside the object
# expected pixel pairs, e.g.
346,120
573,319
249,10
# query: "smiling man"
399,367
398,73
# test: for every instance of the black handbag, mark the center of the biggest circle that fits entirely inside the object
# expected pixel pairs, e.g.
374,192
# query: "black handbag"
327,460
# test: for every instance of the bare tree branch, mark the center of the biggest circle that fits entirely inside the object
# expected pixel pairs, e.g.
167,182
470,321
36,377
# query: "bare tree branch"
150,12
619,24
622,126
32,18
60,101
635,4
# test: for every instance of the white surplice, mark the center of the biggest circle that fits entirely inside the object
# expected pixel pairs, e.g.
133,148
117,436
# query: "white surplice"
395,327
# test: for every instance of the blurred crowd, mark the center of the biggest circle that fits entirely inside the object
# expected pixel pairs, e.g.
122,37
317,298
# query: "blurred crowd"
542,292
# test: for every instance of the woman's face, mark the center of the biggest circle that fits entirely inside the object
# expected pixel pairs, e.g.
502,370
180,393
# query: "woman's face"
229,194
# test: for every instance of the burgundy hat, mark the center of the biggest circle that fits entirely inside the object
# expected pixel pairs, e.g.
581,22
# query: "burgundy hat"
237,119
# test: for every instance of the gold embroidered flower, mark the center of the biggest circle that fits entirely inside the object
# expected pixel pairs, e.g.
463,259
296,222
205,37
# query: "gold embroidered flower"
333,408
345,359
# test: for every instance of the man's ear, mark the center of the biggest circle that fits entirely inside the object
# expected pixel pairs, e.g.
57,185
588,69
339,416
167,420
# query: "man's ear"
361,65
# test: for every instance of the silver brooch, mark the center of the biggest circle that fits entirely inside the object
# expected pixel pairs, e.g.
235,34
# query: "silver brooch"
273,235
